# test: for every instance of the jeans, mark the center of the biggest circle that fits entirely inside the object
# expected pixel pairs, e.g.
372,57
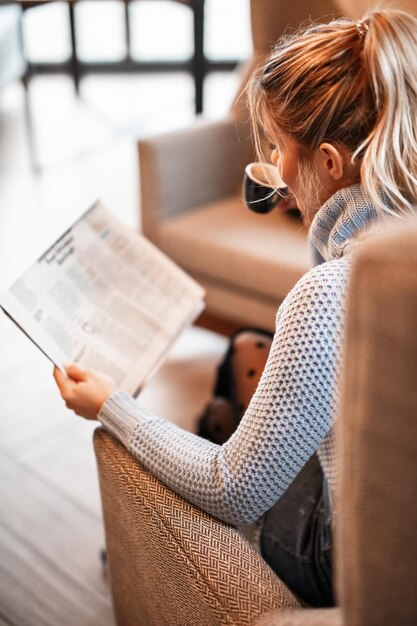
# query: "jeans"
296,537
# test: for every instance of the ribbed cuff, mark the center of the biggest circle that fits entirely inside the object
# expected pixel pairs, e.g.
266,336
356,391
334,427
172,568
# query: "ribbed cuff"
120,415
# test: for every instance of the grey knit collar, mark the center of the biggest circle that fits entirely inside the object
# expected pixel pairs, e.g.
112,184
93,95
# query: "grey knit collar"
340,220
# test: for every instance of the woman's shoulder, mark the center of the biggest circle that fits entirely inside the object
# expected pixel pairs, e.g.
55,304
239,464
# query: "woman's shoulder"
326,277
321,290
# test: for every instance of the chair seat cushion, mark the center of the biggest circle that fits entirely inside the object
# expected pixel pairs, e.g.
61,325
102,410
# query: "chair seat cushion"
263,255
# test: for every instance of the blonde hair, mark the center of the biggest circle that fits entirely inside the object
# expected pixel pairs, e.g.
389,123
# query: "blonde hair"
353,84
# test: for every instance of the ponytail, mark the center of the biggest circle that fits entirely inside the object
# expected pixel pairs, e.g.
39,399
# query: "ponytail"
353,84
390,150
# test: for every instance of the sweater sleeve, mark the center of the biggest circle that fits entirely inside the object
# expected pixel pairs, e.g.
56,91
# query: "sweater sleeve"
289,415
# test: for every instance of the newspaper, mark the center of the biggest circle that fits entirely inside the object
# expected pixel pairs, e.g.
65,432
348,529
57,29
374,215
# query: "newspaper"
104,297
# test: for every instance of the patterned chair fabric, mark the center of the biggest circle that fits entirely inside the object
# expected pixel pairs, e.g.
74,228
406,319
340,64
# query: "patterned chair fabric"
170,563
304,617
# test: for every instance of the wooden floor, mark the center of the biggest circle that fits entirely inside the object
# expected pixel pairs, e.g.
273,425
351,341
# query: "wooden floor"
50,519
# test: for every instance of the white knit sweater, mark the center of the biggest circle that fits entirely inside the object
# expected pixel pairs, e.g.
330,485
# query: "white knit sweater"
293,410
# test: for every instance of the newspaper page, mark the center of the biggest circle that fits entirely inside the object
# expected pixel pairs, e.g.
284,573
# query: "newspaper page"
104,297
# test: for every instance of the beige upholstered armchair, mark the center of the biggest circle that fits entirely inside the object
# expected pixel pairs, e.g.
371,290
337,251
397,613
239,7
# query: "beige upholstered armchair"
173,565
192,203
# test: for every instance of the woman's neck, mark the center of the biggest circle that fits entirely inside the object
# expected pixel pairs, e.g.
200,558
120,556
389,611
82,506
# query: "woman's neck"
342,218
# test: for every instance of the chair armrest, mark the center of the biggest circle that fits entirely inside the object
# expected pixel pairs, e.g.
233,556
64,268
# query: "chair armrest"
185,169
171,563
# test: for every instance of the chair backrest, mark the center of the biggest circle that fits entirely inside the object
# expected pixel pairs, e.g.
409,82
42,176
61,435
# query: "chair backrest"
357,8
377,558
269,20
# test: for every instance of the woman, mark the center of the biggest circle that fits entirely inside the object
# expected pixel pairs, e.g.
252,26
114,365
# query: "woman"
338,103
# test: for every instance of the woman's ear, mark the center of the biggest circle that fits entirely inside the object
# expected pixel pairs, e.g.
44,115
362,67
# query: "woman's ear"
333,160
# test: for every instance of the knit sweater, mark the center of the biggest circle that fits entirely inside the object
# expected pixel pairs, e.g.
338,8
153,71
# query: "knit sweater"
293,411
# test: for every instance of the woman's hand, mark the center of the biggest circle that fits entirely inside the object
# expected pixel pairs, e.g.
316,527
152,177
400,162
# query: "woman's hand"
84,391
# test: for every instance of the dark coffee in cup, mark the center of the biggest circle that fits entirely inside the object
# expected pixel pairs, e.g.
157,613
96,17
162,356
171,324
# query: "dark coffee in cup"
263,189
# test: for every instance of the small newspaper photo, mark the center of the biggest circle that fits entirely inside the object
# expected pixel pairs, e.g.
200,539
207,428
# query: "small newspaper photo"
104,297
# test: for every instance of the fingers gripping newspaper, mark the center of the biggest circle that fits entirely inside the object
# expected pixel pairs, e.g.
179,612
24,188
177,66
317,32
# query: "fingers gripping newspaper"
106,298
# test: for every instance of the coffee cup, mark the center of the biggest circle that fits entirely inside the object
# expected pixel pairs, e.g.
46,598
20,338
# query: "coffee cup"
263,188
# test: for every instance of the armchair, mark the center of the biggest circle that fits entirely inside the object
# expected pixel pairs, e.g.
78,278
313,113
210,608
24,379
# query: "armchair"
171,564
192,206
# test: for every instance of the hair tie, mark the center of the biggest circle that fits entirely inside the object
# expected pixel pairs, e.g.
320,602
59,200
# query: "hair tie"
362,28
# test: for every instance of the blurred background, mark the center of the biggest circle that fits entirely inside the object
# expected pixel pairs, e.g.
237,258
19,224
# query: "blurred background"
69,122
